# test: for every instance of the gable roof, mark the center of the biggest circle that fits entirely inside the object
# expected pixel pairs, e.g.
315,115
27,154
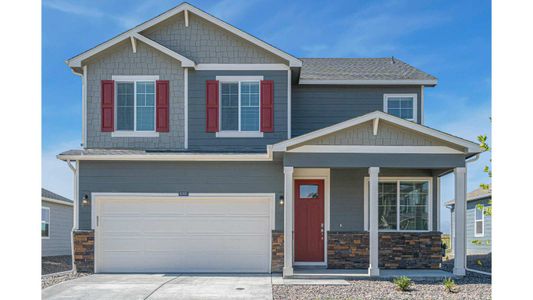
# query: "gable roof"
471,147
53,197
479,193
76,60
362,71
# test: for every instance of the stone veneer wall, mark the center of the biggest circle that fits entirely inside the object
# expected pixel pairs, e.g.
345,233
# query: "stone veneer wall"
397,250
277,251
84,250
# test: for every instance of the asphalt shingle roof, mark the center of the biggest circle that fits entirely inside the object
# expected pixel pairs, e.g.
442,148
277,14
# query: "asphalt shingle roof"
478,193
51,195
360,69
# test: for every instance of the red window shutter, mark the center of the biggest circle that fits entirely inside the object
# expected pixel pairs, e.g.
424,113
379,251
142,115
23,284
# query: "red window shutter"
267,105
162,105
211,109
108,104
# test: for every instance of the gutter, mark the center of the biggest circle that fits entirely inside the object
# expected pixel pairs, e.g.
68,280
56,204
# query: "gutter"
74,211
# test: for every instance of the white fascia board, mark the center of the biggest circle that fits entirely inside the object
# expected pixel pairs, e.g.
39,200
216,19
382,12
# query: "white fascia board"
76,61
470,146
241,67
375,149
46,199
185,62
369,82
171,157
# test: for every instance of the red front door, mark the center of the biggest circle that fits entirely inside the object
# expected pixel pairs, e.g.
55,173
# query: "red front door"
309,220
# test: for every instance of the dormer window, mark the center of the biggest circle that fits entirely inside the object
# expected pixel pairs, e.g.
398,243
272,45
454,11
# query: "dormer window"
401,105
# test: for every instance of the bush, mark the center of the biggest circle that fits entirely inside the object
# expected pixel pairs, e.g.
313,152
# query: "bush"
449,285
402,283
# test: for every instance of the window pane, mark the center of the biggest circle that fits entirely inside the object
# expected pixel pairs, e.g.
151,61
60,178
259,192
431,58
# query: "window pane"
125,110
479,214
249,106
44,229
395,112
414,205
145,106
393,103
387,205
229,107
45,215
479,227
308,191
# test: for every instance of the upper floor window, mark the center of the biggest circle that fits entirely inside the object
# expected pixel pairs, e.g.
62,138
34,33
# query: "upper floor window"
401,105
240,106
45,222
479,221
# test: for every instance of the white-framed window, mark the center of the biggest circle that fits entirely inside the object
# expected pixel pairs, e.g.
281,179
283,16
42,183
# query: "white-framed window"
404,204
479,221
401,105
240,107
45,222
135,105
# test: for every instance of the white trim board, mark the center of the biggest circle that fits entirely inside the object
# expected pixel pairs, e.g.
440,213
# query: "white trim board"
171,157
470,146
57,201
374,149
241,67
429,82
76,61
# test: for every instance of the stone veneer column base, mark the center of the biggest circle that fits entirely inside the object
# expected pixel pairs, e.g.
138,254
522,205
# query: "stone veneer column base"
277,251
397,250
84,250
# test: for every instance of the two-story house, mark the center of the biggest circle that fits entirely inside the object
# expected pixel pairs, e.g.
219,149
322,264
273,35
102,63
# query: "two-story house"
206,149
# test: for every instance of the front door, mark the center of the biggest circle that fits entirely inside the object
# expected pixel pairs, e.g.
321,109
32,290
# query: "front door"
309,220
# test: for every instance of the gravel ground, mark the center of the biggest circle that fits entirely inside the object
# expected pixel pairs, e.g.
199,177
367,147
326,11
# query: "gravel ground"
475,262
51,279
54,264
470,287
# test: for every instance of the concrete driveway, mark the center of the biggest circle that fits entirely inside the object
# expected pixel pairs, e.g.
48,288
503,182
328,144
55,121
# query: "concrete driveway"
163,286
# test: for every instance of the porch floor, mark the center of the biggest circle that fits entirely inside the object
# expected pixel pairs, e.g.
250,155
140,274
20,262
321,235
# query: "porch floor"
322,273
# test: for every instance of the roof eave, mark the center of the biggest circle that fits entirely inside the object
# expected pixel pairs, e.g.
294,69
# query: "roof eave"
425,82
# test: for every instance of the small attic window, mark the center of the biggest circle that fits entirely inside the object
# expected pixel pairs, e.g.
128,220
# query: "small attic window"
401,105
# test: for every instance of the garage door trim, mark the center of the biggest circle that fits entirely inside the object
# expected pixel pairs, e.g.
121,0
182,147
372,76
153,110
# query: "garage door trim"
96,196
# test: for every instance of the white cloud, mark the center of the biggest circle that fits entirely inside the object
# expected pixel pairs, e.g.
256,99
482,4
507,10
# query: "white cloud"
56,176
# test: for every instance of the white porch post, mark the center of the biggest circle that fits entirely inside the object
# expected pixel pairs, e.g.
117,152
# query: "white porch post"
373,269
288,224
460,222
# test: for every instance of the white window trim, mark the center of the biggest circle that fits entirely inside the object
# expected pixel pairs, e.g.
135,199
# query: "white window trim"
134,79
429,180
482,234
238,133
49,222
415,108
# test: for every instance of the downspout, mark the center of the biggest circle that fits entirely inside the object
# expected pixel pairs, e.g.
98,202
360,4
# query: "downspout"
75,210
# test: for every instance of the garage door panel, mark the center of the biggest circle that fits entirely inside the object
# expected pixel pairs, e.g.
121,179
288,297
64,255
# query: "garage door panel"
217,234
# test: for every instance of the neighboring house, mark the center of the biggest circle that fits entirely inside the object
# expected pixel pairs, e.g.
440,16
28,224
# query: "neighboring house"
56,224
478,224
204,148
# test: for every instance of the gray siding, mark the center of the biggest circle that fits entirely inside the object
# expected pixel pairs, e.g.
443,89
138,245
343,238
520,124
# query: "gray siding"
347,196
472,248
60,230
120,60
174,177
315,106
204,42
199,139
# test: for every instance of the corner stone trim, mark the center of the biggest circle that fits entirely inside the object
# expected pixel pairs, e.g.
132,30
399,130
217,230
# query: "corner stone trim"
277,251
397,250
84,250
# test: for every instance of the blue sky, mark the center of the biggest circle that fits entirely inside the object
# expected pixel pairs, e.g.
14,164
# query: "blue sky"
448,39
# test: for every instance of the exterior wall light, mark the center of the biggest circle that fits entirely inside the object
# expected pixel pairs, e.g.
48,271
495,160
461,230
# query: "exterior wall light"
85,201
281,200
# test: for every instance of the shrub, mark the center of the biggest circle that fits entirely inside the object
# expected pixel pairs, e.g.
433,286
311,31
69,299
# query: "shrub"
449,285
402,283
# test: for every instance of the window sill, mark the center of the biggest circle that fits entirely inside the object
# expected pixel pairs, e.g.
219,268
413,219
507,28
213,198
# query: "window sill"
45,238
134,134
239,134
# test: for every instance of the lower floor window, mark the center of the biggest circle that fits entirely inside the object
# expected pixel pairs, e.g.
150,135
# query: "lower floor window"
403,205
45,222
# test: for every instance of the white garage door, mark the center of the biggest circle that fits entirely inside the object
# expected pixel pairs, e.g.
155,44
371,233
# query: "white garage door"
183,234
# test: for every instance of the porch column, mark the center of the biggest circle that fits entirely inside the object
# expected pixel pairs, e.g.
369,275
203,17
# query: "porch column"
288,221
373,269
460,222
